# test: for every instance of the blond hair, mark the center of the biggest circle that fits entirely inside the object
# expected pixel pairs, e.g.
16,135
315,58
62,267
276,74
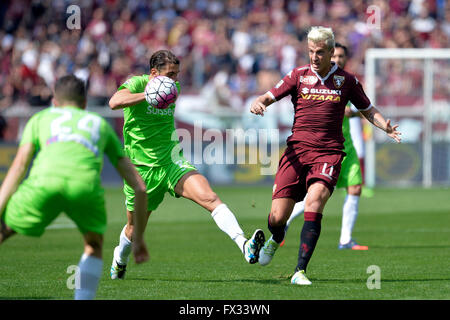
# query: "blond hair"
321,34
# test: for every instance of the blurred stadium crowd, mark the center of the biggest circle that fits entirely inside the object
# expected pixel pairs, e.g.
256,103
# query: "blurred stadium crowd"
229,43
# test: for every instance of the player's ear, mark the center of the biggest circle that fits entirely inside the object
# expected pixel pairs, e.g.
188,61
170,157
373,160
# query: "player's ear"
154,72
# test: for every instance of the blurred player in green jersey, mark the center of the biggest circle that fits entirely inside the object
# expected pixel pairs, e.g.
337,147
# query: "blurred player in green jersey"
69,143
151,142
350,176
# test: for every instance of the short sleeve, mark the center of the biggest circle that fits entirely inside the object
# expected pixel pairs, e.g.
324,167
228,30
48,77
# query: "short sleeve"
132,84
358,97
285,86
30,133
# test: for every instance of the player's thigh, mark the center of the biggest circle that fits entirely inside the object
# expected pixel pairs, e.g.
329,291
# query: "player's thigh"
321,180
86,206
35,204
195,187
318,195
155,179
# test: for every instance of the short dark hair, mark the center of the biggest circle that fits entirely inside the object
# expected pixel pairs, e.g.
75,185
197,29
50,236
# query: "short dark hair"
338,45
162,57
70,89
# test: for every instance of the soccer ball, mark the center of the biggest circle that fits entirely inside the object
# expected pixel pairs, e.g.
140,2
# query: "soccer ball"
160,92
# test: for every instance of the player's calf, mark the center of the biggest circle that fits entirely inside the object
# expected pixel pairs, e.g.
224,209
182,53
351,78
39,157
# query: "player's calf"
5,231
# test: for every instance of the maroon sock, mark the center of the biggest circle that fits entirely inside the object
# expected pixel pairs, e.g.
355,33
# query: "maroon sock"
277,231
308,238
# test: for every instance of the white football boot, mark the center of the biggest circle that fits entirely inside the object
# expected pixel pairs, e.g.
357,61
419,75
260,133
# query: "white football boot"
253,246
268,251
300,278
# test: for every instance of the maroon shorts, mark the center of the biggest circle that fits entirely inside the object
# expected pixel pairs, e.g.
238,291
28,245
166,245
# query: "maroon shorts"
299,168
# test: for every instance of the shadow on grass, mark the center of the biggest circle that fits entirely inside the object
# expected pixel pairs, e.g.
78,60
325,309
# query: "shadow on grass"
29,298
382,280
261,281
411,247
284,280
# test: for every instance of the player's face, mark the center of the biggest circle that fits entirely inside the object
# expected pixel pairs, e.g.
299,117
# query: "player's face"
320,57
339,57
169,70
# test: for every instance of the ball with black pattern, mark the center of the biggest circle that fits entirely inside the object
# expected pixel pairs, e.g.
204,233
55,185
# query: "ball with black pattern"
161,92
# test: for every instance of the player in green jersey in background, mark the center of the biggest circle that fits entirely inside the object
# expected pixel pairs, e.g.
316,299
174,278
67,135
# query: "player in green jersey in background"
151,142
350,176
69,143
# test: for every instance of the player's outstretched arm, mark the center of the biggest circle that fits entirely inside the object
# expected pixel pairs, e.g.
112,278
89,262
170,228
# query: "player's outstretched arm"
124,98
128,172
260,104
16,173
374,116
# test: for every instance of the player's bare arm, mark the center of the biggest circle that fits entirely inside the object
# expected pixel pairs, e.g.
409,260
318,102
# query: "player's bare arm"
349,113
128,172
16,173
374,116
260,104
124,98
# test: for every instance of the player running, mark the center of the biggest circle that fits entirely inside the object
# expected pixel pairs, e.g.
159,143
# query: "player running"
312,160
151,142
350,176
69,144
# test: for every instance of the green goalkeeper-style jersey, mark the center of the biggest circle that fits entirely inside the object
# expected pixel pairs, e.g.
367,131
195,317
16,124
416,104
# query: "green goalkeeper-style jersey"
348,143
149,134
70,142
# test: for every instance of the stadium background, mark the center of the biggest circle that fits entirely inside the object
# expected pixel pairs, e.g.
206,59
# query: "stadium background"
230,51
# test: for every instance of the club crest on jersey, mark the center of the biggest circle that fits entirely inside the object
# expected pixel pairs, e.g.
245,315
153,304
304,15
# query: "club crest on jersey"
338,81
309,80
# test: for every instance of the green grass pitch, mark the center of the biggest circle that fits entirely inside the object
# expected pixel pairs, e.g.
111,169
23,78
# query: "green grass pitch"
408,231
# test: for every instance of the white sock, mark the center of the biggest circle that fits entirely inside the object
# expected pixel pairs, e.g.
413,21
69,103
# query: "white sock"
349,214
226,221
90,273
298,209
122,252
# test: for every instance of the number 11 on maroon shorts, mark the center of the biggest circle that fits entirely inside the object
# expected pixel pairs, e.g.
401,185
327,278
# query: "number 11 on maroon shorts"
299,168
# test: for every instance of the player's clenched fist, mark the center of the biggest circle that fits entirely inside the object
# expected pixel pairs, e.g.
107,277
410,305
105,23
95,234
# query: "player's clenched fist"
258,108
260,104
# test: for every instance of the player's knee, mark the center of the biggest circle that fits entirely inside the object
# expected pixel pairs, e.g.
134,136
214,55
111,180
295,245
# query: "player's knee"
207,198
355,190
277,218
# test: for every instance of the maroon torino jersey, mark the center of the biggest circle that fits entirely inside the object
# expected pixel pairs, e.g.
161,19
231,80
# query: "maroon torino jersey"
319,105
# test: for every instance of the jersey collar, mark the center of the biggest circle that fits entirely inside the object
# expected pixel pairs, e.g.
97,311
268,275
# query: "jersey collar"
332,70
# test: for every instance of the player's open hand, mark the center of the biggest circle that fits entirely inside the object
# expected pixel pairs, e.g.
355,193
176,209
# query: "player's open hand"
140,251
258,108
392,131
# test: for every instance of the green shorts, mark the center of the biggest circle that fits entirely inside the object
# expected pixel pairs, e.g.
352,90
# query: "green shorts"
350,174
158,180
39,200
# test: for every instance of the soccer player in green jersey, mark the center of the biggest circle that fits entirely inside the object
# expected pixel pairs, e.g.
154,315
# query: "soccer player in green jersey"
350,176
69,143
151,142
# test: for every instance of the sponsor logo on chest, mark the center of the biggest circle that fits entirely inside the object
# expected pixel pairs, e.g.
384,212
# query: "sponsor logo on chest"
308,80
320,94
169,111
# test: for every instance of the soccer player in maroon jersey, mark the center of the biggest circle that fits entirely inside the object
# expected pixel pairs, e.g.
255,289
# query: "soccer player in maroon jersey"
312,160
